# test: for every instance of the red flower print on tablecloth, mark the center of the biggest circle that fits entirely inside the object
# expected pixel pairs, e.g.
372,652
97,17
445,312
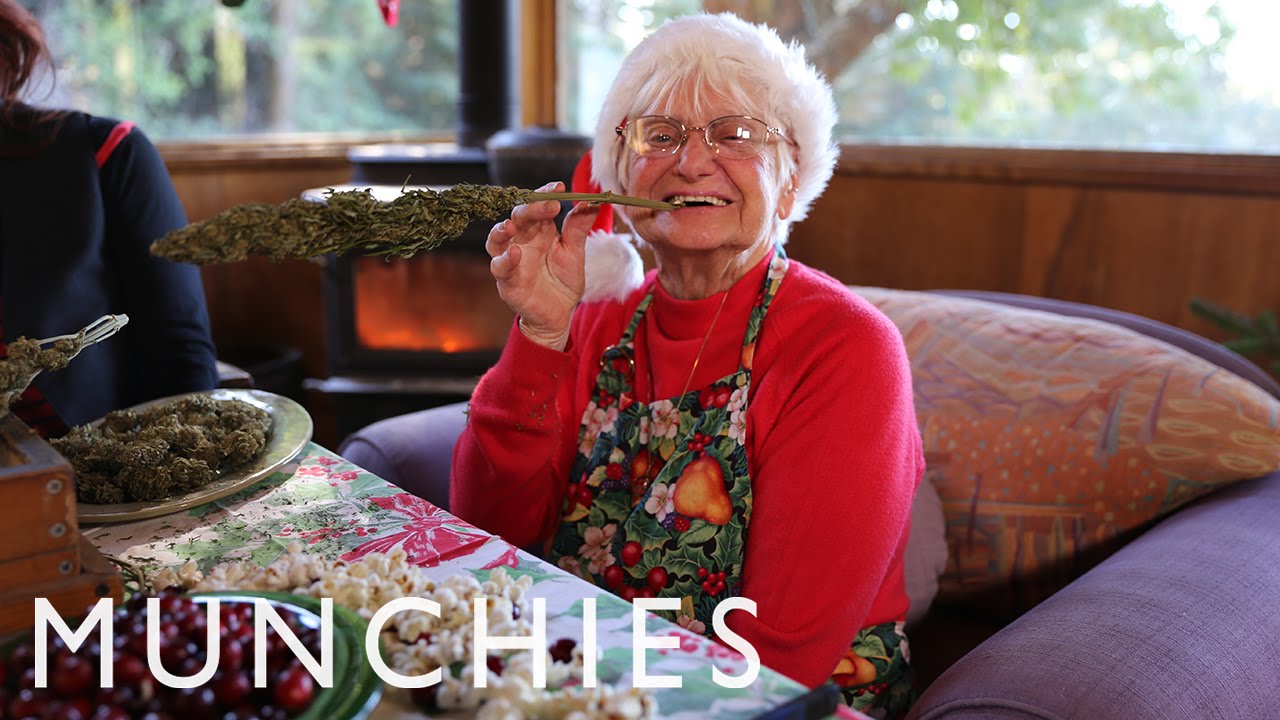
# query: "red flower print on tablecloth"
430,536
314,536
312,471
345,476
508,559
327,461
688,643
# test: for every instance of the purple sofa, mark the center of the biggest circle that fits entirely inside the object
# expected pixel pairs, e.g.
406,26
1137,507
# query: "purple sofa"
1182,622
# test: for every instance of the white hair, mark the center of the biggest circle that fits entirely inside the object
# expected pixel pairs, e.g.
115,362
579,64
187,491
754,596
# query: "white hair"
723,56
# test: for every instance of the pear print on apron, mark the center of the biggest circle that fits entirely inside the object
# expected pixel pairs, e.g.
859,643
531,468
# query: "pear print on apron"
659,499
659,502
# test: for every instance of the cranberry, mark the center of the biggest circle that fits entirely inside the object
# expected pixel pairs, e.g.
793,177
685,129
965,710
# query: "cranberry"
230,654
128,670
628,593
194,703
117,696
170,604
242,712
231,688
584,496
72,677
22,658
425,697
77,709
631,553
495,663
562,650
294,689
28,703
194,625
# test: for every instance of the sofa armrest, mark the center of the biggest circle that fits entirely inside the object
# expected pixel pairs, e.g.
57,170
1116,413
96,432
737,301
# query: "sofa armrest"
1184,622
413,451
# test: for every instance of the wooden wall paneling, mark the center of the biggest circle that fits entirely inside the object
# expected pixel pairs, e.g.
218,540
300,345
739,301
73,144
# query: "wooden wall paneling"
1236,258
206,191
260,304
1052,218
915,233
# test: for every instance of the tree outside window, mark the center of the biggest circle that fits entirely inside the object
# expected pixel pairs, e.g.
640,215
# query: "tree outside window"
199,69
1191,75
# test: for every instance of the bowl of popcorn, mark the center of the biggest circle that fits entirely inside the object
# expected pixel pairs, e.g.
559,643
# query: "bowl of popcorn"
426,631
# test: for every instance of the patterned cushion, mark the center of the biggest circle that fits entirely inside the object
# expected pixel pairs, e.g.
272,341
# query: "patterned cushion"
1052,439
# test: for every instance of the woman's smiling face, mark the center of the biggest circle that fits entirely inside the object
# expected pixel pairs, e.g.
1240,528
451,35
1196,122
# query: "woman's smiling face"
729,202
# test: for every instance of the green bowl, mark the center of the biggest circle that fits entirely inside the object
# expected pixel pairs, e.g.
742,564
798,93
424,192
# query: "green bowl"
357,688
360,688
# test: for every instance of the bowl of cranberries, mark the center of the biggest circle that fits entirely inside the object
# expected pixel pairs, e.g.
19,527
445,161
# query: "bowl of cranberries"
74,689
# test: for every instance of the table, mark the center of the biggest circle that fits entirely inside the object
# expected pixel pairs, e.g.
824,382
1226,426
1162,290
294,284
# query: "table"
340,510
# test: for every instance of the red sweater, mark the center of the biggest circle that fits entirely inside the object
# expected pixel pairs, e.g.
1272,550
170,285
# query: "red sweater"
835,455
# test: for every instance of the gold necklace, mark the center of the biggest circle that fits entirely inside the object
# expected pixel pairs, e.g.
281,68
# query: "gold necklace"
703,347
653,386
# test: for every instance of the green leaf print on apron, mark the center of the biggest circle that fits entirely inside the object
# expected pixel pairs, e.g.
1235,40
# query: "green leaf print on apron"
659,498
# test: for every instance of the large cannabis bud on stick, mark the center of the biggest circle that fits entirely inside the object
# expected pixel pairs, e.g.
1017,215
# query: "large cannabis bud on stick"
354,220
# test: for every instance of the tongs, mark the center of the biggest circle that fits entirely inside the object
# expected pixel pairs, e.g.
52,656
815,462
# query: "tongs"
95,332
15,381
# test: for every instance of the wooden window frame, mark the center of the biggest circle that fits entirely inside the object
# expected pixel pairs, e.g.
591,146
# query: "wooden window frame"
539,27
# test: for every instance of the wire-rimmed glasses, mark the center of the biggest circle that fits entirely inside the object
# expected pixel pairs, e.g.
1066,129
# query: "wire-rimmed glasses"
733,136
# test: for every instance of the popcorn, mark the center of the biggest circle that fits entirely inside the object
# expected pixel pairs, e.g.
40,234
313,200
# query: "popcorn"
416,643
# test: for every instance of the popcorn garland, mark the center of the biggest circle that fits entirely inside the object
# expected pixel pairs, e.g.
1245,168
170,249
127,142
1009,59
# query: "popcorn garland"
414,643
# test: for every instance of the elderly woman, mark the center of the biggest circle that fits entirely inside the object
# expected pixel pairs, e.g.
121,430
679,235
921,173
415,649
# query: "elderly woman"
731,424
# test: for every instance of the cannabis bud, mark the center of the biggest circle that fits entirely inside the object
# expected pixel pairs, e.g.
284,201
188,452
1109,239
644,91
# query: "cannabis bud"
354,220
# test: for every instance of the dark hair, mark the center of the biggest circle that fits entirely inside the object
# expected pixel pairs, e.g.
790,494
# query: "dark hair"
22,52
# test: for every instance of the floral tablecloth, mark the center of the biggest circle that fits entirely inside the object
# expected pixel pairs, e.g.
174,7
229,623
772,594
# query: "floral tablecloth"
335,508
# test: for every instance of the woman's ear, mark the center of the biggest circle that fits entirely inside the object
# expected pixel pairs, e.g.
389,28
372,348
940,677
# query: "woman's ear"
787,201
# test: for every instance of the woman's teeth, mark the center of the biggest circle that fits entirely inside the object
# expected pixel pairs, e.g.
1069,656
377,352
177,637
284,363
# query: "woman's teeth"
687,200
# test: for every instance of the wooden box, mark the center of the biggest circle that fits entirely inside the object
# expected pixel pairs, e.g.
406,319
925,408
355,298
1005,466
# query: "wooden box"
70,596
36,483
41,551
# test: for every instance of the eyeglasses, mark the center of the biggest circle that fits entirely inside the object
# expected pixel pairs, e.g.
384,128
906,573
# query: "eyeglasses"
735,136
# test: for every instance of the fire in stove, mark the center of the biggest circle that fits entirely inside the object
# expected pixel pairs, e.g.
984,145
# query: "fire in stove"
437,303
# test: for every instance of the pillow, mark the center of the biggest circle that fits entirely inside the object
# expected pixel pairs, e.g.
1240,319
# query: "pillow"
1052,439
926,555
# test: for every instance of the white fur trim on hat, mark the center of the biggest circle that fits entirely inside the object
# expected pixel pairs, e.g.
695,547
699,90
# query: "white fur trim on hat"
613,267
795,95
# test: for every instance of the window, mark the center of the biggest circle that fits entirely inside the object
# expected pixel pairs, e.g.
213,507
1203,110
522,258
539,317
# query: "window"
1187,75
200,69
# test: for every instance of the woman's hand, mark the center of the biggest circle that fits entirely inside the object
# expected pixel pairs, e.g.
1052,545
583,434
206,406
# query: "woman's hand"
540,271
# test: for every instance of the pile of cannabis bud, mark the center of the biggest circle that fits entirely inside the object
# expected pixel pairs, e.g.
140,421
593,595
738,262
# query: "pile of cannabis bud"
27,359
164,450
354,220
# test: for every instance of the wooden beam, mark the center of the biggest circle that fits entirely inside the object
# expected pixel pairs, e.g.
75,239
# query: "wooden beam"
538,28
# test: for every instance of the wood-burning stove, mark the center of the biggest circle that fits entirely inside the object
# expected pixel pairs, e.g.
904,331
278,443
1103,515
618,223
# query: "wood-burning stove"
409,334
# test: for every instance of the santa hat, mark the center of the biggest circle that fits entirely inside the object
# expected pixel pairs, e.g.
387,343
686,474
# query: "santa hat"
613,267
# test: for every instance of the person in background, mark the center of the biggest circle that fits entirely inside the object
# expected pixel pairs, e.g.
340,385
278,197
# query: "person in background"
733,423
81,200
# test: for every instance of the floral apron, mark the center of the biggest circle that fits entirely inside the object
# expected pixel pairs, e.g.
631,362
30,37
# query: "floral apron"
660,500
